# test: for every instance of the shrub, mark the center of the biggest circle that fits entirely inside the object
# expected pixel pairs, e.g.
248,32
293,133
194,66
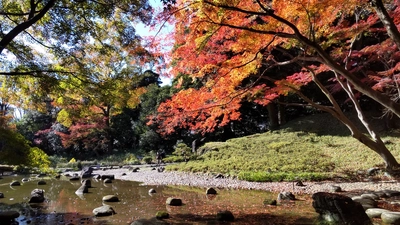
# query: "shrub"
147,159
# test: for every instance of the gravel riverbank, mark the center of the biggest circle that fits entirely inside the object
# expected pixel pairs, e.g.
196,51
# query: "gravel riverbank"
148,176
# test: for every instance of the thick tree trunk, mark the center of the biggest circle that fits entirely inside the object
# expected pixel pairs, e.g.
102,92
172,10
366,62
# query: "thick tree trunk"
273,116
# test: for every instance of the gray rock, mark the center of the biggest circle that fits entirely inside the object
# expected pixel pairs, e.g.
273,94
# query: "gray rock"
387,193
82,190
366,203
37,196
370,196
339,209
174,201
373,171
110,198
284,196
375,212
391,217
25,179
104,210
152,191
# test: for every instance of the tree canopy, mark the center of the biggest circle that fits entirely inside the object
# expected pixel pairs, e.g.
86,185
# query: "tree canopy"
232,48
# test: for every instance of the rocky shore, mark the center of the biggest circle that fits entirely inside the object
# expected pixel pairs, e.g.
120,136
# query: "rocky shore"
150,176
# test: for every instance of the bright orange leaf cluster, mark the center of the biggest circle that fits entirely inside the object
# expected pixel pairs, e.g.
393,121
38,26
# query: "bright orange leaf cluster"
225,43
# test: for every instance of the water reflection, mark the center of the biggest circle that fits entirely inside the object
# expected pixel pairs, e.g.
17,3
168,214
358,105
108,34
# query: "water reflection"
64,206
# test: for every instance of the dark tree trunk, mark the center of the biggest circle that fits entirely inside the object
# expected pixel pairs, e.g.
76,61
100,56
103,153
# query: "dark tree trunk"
273,116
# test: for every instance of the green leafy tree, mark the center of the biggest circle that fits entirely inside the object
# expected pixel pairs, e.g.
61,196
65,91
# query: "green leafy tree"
15,150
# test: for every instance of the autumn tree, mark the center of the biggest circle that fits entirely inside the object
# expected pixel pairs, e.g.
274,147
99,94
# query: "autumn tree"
106,81
349,46
34,33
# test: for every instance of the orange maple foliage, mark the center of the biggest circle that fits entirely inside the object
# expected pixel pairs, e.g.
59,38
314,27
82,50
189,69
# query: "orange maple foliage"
225,43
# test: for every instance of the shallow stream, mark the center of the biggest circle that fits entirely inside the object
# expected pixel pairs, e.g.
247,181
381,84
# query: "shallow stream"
63,206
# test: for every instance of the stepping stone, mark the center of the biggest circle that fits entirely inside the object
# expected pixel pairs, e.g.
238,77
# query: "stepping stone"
110,198
211,191
104,210
15,183
375,212
174,201
390,217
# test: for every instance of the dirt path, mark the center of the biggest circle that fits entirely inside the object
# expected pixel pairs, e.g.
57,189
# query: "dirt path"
150,176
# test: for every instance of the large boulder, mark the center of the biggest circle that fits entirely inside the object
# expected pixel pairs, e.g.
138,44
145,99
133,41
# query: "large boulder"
339,209
37,196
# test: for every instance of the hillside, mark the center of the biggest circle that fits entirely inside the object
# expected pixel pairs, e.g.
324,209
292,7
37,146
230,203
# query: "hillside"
310,148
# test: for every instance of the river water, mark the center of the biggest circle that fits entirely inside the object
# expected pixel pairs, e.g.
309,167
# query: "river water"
63,206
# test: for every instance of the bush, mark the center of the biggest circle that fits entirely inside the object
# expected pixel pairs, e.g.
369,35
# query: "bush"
147,159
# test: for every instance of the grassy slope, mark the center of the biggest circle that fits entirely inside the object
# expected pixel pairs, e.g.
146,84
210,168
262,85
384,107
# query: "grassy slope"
311,148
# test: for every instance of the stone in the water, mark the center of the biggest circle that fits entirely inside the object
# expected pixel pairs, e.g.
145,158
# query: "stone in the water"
107,181
152,191
174,201
390,217
87,183
225,216
1,195
375,212
339,209
25,179
162,215
366,203
211,191
111,177
37,196
41,182
284,196
74,178
82,189
110,198
104,210
269,202
15,183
